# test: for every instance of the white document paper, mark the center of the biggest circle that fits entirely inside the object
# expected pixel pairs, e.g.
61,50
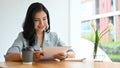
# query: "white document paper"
75,59
50,51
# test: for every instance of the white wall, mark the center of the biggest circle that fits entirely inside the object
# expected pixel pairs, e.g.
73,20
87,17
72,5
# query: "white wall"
12,13
75,30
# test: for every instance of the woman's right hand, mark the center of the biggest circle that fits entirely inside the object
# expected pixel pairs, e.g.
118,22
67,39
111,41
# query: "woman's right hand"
37,54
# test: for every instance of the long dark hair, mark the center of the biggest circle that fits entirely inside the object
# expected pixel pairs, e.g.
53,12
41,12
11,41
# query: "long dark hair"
28,25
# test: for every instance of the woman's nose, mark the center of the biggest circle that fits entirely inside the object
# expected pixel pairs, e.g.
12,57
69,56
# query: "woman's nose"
40,22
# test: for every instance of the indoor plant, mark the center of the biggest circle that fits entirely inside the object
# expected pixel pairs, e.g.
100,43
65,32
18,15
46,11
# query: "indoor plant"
99,35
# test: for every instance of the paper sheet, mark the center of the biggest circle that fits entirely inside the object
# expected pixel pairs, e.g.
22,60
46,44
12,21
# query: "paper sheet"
50,51
75,59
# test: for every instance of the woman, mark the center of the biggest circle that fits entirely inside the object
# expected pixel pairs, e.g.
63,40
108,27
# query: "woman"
36,33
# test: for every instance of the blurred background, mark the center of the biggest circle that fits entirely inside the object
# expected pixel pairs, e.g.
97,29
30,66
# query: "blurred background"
70,19
103,12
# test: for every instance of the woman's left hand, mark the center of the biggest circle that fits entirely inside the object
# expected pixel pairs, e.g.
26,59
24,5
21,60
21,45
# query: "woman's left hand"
60,56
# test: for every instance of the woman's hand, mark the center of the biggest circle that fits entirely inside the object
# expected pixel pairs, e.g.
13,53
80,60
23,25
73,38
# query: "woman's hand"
60,56
70,55
37,54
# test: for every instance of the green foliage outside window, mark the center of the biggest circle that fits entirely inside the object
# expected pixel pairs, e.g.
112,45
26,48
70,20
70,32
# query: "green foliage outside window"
111,48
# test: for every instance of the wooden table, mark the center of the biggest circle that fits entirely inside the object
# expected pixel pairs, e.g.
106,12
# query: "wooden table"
62,64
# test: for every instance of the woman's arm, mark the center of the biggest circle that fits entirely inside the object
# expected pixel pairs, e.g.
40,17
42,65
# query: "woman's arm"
14,51
69,54
13,57
13,54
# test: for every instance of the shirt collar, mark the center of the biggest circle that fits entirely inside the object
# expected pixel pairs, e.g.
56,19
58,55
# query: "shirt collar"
46,37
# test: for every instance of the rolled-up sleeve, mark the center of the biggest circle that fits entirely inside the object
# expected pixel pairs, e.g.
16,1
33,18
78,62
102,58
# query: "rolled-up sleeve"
17,45
61,43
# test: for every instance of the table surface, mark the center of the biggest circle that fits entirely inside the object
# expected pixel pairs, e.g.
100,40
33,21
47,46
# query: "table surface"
61,64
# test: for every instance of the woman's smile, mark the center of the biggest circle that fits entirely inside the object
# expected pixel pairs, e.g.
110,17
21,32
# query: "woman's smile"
41,26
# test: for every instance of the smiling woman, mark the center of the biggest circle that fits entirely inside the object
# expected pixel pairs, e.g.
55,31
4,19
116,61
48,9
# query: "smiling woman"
12,15
36,34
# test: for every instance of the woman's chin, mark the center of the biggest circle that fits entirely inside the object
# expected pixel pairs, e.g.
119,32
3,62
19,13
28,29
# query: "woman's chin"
41,30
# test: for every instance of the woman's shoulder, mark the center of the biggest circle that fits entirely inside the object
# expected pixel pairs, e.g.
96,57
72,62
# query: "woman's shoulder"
21,37
20,34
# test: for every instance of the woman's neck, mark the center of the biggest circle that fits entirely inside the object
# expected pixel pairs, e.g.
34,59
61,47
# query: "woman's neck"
40,36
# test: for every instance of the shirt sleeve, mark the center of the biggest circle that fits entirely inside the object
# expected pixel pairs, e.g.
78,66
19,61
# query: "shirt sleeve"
61,43
17,45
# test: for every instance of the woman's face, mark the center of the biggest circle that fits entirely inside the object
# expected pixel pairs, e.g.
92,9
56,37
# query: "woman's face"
41,21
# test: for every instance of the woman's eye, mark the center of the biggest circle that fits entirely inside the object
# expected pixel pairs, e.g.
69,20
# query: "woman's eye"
35,20
44,19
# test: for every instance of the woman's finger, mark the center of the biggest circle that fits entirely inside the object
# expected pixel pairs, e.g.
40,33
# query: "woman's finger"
39,52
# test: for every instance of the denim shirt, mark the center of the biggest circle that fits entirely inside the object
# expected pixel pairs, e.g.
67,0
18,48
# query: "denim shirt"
51,39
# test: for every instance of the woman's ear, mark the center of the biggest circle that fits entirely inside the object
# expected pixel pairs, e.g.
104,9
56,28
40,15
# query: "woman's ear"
46,27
